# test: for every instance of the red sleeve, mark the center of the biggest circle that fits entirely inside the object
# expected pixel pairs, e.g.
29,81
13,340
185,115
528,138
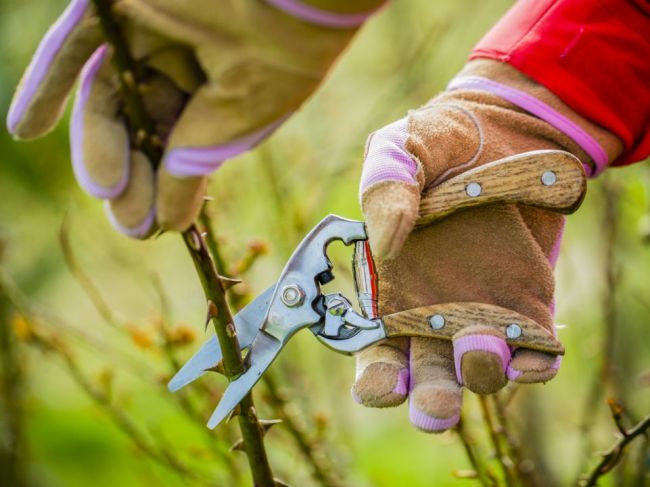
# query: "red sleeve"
593,54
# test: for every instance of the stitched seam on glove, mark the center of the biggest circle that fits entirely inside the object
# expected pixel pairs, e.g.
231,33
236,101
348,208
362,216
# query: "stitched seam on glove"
321,17
542,110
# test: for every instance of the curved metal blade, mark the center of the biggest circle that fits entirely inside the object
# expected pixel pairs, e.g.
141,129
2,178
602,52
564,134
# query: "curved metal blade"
247,323
262,352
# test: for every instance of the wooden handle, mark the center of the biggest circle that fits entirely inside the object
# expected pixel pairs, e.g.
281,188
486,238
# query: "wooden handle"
445,320
550,179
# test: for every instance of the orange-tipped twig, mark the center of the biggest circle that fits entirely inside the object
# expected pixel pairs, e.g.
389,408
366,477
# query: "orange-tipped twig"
616,452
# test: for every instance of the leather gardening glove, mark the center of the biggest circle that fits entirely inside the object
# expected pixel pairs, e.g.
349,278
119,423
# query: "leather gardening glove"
502,254
220,77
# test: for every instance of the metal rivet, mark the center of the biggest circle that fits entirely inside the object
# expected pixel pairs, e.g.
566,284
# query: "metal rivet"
292,295
513,330
473,189
437,322
549,178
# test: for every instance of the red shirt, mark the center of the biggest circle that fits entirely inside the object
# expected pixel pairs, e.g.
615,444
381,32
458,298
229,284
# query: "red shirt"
593,54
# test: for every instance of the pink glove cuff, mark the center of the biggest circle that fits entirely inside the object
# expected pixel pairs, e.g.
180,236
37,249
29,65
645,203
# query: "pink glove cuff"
429,423
324,18
195,161
513,373
483,343
542,110
141,231
386,159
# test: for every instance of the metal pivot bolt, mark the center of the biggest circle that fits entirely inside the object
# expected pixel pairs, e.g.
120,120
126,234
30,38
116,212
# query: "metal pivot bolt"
292,295
473,189
513,330
437,322
549,178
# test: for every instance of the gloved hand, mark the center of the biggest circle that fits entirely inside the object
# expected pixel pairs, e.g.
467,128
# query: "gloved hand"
219,79
501,254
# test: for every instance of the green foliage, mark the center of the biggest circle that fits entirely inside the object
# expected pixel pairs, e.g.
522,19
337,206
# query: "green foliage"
274,194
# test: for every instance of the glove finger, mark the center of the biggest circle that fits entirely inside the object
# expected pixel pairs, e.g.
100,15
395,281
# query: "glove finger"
178,200
215,126
531,366
435,397
99,140
481,357
390,190
132,212
43,90
382,374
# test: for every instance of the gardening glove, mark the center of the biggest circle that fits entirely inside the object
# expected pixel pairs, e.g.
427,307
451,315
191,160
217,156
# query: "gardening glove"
501,254
220,77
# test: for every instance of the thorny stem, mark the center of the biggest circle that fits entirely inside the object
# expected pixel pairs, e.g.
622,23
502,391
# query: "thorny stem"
615,453
54,344
181,396
163,456
605,376
252,431
124,422
212,242
322,471
504,461
12,446
484,475
84,280
143,128
105,311
524,466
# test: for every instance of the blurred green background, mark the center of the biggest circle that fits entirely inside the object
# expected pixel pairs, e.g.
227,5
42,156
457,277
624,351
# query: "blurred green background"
62,437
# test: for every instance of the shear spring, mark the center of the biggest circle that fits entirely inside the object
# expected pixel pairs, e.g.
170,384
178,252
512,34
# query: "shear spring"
365,279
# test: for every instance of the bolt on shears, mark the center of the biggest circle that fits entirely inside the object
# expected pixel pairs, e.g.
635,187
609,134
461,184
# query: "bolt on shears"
549,179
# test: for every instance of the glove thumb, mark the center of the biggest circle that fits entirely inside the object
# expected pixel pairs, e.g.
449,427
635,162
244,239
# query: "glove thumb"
390,189
391,209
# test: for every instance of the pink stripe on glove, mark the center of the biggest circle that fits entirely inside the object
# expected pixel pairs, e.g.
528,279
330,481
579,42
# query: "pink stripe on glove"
386,158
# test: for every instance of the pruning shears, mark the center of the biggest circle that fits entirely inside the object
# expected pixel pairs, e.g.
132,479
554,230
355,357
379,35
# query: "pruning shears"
553,180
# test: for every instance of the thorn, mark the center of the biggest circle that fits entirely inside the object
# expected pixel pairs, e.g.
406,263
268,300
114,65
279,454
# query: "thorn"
465,474
235,412
280,483
237,445
267,424
229,282
208,198
213,312
219,369
231,331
